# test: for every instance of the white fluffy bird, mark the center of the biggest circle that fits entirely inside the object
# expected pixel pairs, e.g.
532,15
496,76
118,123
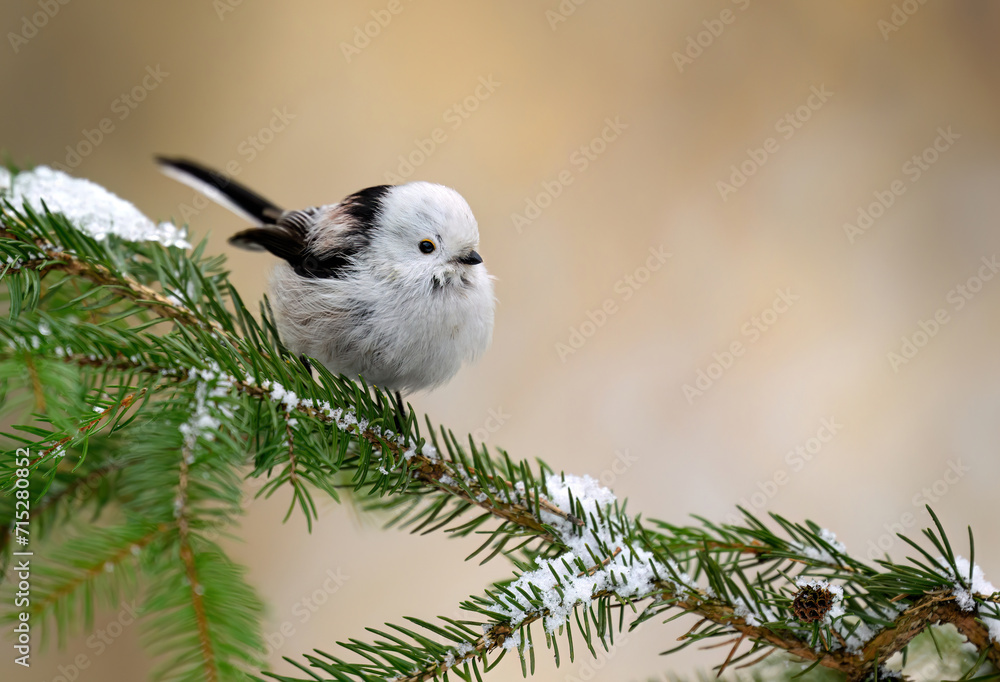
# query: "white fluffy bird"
387,284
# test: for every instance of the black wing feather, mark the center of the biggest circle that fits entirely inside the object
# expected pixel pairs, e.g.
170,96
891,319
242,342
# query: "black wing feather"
290,247
280,242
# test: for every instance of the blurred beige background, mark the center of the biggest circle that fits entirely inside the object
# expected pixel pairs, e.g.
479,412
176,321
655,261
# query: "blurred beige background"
824,105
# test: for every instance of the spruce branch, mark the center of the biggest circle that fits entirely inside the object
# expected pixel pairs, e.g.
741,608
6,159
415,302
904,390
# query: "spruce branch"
89,480
444,475
99,564
195,588
53,259
142,361
89,427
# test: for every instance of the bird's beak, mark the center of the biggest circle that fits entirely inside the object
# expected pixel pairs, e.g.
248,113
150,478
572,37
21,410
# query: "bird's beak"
471,258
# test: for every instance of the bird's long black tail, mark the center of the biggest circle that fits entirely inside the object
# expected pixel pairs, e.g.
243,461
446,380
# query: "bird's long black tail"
222,189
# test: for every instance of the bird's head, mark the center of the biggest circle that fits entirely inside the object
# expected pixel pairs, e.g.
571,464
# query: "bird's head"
426,232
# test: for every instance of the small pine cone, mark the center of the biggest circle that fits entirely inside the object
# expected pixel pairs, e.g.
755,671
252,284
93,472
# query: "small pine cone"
812,603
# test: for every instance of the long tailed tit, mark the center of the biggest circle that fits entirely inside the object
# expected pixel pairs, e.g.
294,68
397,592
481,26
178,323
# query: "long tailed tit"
386,284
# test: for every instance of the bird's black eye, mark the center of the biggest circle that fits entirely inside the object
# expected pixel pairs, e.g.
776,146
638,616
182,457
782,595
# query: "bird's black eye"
427,246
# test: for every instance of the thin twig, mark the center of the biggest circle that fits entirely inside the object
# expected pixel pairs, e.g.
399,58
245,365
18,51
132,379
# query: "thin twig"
39,605
604,562
190,569
89,426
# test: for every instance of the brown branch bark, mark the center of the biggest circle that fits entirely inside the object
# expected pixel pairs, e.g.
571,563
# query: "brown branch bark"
930,610
935,608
